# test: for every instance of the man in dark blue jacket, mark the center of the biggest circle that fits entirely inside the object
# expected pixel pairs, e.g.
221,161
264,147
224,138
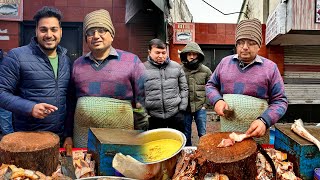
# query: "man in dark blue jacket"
34,79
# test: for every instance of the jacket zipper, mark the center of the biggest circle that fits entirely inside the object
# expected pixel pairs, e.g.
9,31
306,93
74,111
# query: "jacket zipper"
164,109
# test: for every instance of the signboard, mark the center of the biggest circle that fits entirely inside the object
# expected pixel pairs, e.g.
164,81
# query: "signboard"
11,10
276,23
317,15
183,33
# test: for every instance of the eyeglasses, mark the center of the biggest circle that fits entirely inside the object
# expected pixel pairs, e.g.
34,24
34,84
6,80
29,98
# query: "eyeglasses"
92,31
250,43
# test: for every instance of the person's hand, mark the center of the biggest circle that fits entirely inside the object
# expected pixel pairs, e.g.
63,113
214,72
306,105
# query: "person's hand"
42,110
68,141
256,129
220,106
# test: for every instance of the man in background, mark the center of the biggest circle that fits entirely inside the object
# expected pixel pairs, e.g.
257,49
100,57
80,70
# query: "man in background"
197,76
166,89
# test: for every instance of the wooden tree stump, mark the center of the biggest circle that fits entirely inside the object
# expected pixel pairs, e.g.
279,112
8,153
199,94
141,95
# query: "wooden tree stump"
31,150
238,162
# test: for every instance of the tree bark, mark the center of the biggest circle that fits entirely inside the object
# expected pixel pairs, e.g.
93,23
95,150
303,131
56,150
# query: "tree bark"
37,151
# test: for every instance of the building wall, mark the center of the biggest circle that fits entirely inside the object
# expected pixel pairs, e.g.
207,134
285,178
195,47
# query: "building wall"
180,12
126,36
273,4
9,29
258,9
301,15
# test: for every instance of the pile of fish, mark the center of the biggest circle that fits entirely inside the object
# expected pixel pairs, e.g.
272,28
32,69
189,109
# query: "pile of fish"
284,168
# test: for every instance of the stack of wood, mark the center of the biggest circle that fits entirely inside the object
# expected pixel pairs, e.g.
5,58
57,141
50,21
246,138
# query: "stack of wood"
84,166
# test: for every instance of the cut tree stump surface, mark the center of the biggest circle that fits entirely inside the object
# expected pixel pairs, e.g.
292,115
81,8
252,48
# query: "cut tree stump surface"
38,151
238,162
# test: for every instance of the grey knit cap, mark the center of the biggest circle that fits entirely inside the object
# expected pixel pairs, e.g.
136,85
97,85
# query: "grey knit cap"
98,18
249,29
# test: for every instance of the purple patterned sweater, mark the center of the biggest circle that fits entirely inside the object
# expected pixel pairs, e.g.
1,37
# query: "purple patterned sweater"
120,76
260,79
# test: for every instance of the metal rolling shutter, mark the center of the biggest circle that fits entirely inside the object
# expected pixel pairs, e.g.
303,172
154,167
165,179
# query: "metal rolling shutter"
302,74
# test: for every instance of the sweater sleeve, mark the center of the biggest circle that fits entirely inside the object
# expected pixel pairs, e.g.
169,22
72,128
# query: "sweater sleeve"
9,80
278,102
138,81
213,86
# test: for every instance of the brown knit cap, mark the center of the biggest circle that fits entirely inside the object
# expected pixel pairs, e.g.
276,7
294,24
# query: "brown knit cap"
249,29
98,18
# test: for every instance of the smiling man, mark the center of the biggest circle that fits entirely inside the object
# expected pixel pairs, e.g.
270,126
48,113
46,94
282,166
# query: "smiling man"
251,86
109,82
34,79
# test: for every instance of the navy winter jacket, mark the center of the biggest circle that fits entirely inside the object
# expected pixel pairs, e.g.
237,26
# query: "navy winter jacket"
27,78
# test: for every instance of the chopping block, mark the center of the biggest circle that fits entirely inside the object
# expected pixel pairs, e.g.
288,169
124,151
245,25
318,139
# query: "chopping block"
304,155
105,143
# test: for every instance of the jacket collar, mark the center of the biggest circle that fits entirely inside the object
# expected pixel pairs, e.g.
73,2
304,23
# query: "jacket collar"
165,63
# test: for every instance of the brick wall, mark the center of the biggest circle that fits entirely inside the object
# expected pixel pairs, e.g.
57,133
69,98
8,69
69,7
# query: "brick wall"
75,11
12,31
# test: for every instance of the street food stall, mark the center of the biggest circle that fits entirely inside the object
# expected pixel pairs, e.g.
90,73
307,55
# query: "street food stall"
115,153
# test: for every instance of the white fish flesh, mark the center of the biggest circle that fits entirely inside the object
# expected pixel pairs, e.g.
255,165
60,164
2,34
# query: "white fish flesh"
299,129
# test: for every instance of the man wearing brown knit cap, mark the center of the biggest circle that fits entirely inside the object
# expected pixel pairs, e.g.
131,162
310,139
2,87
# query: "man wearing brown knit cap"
246,89
109,83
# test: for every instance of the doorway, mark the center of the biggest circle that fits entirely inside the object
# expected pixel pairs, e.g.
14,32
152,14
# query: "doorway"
214,54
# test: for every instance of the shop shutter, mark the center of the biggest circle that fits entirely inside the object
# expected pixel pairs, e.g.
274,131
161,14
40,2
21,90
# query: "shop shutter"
302,74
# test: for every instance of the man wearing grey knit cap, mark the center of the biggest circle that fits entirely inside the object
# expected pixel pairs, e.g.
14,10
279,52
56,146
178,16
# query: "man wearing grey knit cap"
246,89
109,83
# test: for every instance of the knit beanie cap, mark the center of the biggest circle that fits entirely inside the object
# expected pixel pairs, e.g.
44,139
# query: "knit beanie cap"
249,29
98,18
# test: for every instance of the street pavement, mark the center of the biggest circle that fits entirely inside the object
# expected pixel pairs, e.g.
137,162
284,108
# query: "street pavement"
213,125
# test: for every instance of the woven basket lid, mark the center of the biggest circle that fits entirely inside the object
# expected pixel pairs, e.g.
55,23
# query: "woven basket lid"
100,112
246,110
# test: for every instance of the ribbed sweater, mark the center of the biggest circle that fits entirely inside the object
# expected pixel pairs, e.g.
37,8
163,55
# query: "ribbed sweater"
260,79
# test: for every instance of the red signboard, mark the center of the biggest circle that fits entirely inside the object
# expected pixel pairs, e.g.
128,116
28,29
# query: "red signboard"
183,33
11,10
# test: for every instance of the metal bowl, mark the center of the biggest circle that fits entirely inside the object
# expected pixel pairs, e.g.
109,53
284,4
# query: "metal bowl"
163,133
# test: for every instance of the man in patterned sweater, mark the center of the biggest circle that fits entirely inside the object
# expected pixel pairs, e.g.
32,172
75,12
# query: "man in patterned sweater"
106,72
247,73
